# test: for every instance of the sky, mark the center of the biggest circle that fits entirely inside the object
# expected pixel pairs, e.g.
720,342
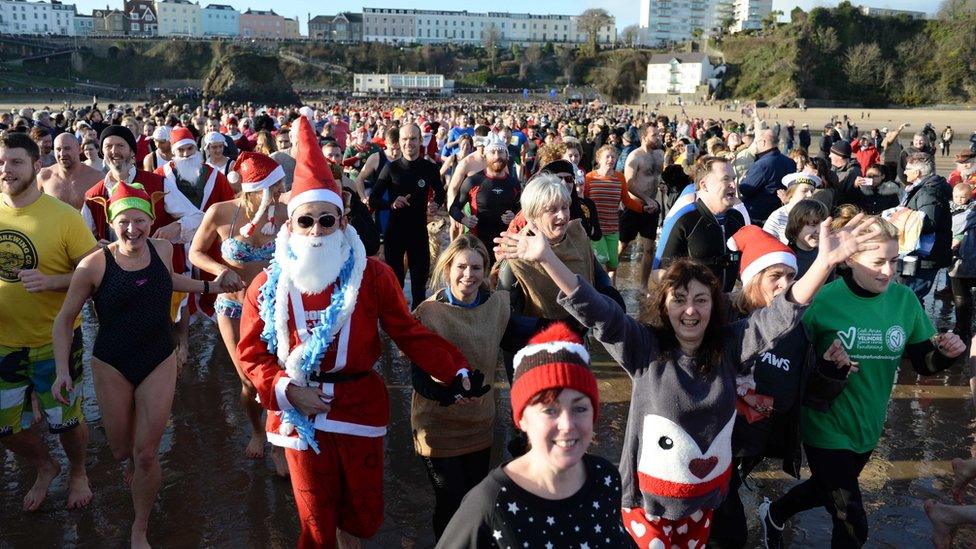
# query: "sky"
626,11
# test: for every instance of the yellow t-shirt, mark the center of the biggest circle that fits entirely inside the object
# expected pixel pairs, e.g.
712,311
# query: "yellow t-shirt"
46,235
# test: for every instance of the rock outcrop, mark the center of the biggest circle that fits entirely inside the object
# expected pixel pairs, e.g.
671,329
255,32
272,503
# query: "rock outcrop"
249,77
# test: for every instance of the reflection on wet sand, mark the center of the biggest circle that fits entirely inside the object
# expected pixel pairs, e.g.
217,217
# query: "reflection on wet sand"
213,496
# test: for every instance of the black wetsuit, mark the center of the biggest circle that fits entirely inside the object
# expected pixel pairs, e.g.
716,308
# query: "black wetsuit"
133,308
489,198
406,230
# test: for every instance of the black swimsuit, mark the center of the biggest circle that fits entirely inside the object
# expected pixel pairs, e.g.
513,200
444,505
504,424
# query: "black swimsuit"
133,308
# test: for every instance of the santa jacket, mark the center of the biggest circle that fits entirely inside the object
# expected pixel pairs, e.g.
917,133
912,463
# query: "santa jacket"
677,453
360,406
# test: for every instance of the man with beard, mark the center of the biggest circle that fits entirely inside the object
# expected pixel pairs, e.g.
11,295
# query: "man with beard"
44,142
965,171
493,195
409,180
642,171
310,355
203,185
176,218
70,177
42,240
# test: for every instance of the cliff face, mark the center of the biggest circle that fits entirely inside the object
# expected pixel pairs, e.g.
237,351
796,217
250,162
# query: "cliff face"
248,77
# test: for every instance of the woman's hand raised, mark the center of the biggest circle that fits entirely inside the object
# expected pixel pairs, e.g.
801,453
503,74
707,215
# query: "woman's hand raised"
836,246
530,246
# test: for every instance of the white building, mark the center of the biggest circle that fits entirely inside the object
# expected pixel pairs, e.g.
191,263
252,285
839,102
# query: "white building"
670,21
681,73
84,25
401,83
221,20
179,18
885,12
23,17
408,26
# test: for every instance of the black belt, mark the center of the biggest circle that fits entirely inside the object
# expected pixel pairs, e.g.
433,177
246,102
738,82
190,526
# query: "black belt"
336,377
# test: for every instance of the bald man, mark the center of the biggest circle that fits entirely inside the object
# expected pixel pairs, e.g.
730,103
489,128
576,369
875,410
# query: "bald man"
69,178
758,188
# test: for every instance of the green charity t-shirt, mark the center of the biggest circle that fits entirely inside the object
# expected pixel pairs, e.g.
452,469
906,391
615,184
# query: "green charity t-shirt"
874,331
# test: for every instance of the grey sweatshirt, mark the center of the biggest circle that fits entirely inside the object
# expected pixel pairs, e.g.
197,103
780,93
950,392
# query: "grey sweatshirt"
677,452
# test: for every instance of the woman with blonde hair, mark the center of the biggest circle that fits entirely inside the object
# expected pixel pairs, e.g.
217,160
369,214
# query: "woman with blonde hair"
264,143
455,442
879,321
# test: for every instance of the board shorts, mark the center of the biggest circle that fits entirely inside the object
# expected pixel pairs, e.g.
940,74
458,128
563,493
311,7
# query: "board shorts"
30,370
638,223
605,250
228,307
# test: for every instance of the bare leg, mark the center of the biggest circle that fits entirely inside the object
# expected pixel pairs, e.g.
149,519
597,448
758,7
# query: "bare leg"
115,398
30,446
646,261
946,519
230,330
964,472
153,401
346,540
182,330
75,443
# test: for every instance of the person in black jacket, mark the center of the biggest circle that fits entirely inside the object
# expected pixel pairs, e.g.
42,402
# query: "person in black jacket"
804,137
845,171
928,193
700,231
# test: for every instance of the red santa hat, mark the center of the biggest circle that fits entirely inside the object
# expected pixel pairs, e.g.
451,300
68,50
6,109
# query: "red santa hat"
759,250
180,137
313,181
555,358
258,172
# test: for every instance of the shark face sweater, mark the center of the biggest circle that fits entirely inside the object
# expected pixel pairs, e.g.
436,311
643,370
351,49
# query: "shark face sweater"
677,452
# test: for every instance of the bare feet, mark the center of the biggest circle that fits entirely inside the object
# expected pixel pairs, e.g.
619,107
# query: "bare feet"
255,447
45,475
79,493
942,529
280,463
138,539
130,469
963,473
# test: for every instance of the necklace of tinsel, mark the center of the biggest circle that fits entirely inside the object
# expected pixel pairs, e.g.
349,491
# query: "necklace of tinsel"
315,346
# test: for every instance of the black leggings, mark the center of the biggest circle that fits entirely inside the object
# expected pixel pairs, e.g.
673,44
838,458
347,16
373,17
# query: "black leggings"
962,296
452,478
729,528
833,485
398,242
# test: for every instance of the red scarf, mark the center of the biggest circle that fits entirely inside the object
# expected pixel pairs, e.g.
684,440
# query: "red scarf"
681,490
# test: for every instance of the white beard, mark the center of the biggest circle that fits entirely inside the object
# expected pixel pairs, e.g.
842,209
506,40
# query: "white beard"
317,261
968,172
188,169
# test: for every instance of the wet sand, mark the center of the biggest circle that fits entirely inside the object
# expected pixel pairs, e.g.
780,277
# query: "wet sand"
213,496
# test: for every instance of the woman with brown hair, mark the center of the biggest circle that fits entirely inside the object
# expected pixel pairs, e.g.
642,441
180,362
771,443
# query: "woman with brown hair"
683,360
455,442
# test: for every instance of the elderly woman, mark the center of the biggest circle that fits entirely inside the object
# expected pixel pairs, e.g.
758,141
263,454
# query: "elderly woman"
133,361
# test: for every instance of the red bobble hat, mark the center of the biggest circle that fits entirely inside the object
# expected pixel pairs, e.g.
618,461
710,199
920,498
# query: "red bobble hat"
180,137
313,181
258,172
759,250
555,358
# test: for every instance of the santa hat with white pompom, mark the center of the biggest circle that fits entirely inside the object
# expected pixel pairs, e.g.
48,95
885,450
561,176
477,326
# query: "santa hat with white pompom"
759,250
259,172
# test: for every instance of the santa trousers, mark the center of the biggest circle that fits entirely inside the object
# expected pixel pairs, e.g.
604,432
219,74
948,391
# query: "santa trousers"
652,532
341,487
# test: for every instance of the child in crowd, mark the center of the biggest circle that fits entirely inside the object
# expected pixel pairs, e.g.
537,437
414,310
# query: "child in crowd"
803,232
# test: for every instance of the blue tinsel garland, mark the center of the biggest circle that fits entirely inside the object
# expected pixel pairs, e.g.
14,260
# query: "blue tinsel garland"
316,345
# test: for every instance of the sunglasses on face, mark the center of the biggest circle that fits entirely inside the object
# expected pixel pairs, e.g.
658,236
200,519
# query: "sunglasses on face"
326,221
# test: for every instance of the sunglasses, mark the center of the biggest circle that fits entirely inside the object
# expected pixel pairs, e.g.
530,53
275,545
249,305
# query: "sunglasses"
326,221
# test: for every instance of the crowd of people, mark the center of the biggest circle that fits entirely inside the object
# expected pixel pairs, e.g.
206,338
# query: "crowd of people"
780,285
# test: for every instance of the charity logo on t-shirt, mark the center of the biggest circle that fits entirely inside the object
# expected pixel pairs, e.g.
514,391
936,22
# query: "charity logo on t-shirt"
868,342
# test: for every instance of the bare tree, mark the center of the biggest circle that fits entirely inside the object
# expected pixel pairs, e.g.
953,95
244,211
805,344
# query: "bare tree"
865,67
630,35
590,22
491,38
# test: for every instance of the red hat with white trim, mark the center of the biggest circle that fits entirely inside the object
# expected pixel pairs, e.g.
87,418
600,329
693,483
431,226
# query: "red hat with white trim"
759,250
259,172
555,358
180,137
313,181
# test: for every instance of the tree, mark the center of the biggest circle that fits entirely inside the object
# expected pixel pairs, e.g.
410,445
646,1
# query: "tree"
769,22
630,35
726,24
590,22
490,39
620,79
529,60
865,67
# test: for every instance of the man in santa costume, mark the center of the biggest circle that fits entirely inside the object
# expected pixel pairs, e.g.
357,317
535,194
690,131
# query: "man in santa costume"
309,340
203,185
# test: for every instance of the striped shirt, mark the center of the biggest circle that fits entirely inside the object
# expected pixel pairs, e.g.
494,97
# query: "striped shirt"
607,192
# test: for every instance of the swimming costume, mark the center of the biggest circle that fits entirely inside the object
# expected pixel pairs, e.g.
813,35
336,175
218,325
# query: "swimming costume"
26,370
239,251
228,307
134,329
